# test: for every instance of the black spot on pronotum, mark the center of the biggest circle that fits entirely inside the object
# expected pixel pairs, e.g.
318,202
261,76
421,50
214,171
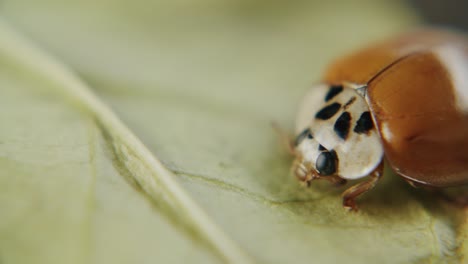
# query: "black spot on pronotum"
321,148
328,111
305,133
350,102
326,163
334,91
342,125
364,123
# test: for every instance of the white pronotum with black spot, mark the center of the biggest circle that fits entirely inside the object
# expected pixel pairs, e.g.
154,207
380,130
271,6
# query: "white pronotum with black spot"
336,133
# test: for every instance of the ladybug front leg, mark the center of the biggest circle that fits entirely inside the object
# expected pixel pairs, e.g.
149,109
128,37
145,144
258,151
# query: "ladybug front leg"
349,196
334,179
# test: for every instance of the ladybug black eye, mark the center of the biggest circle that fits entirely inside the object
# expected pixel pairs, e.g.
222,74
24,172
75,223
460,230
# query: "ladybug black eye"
326,163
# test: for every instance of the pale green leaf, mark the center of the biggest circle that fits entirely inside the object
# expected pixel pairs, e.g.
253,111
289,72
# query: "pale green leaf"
184,166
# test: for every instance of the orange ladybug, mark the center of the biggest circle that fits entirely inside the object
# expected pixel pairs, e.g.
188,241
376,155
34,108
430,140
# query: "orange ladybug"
405,99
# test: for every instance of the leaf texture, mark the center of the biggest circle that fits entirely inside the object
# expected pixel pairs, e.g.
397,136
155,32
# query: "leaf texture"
183,166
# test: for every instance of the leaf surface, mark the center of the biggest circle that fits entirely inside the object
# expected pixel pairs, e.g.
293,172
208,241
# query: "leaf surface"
196,85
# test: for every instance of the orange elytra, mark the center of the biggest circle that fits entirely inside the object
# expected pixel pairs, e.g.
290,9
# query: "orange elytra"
405,99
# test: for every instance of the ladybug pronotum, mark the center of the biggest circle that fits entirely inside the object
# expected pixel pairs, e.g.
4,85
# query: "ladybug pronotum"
405,99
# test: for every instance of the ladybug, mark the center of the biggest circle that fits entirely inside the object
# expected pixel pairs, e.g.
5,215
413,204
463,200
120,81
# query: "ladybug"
404,100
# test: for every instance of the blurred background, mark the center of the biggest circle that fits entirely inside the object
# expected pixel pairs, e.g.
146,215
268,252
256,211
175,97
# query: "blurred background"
449,13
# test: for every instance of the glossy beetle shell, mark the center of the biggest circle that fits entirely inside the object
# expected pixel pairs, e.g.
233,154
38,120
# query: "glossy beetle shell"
417,89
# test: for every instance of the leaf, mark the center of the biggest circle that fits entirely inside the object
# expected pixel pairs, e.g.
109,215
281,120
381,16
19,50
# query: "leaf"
198,83
61,166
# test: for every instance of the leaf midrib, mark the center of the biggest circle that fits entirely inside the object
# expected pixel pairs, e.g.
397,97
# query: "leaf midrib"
22,53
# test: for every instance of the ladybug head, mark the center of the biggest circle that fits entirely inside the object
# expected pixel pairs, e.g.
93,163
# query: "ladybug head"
312,159
335,134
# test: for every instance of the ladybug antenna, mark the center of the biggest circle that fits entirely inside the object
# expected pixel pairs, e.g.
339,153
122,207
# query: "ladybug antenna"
284,137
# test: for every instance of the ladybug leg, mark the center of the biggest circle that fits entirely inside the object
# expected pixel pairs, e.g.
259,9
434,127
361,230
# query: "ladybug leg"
350,194
459,201
456,199
285,138
334,179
